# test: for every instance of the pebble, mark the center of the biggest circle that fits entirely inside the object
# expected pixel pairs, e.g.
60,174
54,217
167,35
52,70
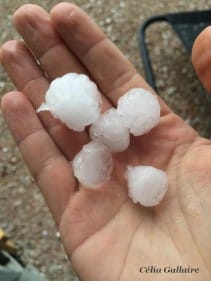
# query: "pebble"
5,149
171,90
108,20
45,233
13,160
58,235
25,180
122,4
2,84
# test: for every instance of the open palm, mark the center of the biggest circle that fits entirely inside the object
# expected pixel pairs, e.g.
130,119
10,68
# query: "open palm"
107,237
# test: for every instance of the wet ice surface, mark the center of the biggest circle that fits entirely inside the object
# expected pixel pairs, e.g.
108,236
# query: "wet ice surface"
93,165
146,185
139,110
110,130
74,99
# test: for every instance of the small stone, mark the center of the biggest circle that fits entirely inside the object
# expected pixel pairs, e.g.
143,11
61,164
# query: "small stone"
18,203
13,160
58,235
170,90
21,189
122,4
2,84
160,83
12,184
25,180
108,20
5,149
45,233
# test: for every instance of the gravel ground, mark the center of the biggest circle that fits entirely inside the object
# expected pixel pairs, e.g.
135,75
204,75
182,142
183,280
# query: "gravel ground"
23,213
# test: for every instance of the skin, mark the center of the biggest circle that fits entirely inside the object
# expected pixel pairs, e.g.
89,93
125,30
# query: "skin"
106,236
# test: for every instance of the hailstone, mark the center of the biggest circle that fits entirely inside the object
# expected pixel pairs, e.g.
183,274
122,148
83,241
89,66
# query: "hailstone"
93,165
110,130
74,99
146,185
139,110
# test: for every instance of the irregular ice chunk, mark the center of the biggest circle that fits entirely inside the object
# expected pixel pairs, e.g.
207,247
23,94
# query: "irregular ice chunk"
139,110
93,165
110,130
146,185
74,99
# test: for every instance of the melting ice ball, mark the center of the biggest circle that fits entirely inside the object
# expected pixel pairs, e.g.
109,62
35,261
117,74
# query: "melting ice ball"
110,130
74,99
146,185
93,165
139,110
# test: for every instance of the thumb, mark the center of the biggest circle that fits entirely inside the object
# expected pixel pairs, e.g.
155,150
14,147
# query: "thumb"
201,57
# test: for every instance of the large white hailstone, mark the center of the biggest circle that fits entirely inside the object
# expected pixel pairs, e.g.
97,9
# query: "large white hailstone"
146,185
74,99
110,130
139,110
93,165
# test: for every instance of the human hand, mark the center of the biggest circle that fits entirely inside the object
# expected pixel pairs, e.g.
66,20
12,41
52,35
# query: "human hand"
106,236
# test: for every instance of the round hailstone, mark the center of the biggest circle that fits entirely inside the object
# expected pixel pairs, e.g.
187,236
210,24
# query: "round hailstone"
139,110
74,99
93,165
110,130
146,185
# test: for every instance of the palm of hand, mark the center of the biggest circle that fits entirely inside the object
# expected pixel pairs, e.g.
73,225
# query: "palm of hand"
107,236
116,237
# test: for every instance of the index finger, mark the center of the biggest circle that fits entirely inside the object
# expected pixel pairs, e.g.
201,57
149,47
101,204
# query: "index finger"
113,73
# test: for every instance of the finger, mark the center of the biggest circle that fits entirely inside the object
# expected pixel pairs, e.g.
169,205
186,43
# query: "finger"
34,25
54,56
201,57
28,78
111,70
47,165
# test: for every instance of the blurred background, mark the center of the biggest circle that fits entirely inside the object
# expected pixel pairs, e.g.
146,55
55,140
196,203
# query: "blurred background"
23,214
